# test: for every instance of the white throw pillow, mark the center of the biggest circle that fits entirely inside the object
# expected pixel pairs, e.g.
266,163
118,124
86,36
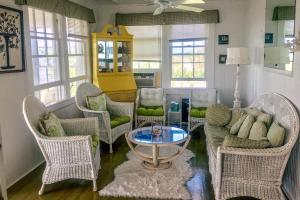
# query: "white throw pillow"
152,96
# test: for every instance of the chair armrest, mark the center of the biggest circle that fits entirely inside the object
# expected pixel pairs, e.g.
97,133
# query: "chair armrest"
165,105
103,116
120,108
80,126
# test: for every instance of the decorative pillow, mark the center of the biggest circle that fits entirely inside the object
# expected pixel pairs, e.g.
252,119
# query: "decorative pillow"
95,142
97,103
150,111
218,115
258,131
253,111
152,97
265,118
236,114
50,126
236,127
276,135
233,141
198,112
246,127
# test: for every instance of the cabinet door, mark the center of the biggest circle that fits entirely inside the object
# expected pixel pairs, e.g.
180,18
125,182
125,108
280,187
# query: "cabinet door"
105,52
124,49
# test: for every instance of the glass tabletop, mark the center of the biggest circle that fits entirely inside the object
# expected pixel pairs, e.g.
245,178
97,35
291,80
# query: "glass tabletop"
158,135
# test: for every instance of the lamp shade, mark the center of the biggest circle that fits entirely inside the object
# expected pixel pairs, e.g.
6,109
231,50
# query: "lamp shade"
238,56
277,55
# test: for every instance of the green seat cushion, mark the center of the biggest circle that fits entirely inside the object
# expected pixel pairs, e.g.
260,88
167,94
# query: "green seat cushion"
218,115
118,120
50,126
198,112
258,131
95,142
233,141
97,103
246,127
276,135
150,111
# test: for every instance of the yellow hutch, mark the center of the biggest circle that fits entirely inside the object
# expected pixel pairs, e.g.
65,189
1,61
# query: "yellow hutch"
112,63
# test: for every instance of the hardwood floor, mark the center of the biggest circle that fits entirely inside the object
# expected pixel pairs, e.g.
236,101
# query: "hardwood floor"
199,186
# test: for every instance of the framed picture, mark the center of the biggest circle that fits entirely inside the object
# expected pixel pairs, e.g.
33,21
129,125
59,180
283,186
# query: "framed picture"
11,40
268,38
223,39
222,59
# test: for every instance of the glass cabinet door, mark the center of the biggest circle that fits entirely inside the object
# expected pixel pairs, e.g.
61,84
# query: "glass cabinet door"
124,56
105,56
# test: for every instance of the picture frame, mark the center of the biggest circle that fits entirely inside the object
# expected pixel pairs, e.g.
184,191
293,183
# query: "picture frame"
222,58
269,38
223,39
12,57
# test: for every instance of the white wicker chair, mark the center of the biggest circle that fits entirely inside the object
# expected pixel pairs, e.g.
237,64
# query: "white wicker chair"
107,134
66,157
152,94
256,172
200,98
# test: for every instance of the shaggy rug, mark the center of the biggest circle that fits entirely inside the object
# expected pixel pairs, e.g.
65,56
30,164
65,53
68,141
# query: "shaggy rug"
133,180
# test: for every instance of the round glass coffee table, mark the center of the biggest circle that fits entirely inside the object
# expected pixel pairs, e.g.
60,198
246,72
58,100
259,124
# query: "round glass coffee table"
157,137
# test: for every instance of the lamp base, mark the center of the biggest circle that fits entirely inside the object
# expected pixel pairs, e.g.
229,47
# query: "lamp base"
237,104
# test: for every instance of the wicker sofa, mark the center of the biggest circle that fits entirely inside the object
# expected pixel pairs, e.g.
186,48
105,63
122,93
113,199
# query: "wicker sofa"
253,172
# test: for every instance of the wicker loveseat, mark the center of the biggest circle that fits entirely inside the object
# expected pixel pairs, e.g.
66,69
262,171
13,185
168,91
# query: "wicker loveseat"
253,172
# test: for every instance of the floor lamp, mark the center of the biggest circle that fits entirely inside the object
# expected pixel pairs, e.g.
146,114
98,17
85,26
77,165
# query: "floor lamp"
237,56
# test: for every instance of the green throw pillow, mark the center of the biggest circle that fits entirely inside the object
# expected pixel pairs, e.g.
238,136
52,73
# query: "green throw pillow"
198,112
246,127
236,114
233,141
95,142
276,135
150,111
97,103
258,131
50,126
118,120
253,111
265,118
236,127
218,115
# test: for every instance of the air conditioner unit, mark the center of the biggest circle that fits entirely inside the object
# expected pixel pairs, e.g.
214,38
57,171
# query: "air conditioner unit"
144,80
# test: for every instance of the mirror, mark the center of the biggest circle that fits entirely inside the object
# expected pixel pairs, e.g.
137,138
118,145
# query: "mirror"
280,29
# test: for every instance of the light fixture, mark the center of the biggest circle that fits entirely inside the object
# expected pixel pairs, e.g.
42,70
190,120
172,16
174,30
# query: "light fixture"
237,56
294,44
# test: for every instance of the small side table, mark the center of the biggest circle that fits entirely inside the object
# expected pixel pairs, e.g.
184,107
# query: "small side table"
174,117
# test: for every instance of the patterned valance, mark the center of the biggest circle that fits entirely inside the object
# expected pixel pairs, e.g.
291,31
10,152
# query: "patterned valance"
284,13
63,7
168,18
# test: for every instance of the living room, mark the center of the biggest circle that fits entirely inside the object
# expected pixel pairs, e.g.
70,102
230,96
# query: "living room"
219,32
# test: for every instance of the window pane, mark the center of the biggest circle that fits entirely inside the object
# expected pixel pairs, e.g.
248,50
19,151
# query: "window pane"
39,21
51,95
188,50
177,70
199,70
52,47
53,69
199,50
41,45
199,58
187,70
188,84
34,47
49,22
188,43
176,59
200,43
177,50
188,58
176,44
74,86
76,66
31,21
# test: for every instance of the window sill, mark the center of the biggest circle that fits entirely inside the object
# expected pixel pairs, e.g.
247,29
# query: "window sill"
61,104
279,71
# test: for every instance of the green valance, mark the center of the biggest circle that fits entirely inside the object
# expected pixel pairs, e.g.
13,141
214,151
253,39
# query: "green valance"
284,13
168,18
63,7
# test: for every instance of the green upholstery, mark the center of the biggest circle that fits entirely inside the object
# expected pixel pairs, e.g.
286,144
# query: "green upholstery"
258,131
253,111
236,114
215,136
236,127
265,118
95,142
246,127
50,126
276,135
97,103
233,141
118,120
198,112
218,115
150,111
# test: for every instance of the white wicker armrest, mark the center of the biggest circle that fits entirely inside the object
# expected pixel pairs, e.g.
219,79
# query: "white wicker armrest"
165,104
120,108
80,126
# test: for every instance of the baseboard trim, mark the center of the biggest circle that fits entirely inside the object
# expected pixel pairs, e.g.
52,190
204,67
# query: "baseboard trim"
25,174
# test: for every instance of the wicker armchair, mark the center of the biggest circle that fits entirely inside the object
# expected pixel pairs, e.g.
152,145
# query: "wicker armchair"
256,172
200,98
150,97
107,134
66,157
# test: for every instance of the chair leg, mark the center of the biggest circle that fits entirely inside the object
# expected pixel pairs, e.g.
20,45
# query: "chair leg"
110,148
95,186
41,191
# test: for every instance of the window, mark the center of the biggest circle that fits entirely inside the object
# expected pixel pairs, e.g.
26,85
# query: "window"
289,29
146,46
59,48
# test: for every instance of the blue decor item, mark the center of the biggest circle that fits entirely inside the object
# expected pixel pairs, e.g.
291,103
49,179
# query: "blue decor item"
174,106
223,39
268,38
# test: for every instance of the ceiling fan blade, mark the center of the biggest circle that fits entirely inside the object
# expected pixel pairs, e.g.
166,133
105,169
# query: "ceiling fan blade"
189,8
193,2
158,11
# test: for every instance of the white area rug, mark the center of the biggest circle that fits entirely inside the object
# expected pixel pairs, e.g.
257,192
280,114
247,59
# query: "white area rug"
133,180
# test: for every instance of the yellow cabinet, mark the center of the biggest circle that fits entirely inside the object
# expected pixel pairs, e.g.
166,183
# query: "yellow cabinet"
112,63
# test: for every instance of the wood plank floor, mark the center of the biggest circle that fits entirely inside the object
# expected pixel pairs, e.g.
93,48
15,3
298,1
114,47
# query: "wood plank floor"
199,186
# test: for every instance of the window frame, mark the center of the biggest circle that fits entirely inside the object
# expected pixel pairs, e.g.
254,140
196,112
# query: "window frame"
182,54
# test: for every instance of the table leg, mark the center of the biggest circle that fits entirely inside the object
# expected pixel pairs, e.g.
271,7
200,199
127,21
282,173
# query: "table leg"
155,154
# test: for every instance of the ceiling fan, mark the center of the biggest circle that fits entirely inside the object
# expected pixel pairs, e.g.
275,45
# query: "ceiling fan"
178,4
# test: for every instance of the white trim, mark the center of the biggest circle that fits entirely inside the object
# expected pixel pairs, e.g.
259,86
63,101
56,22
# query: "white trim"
279,71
